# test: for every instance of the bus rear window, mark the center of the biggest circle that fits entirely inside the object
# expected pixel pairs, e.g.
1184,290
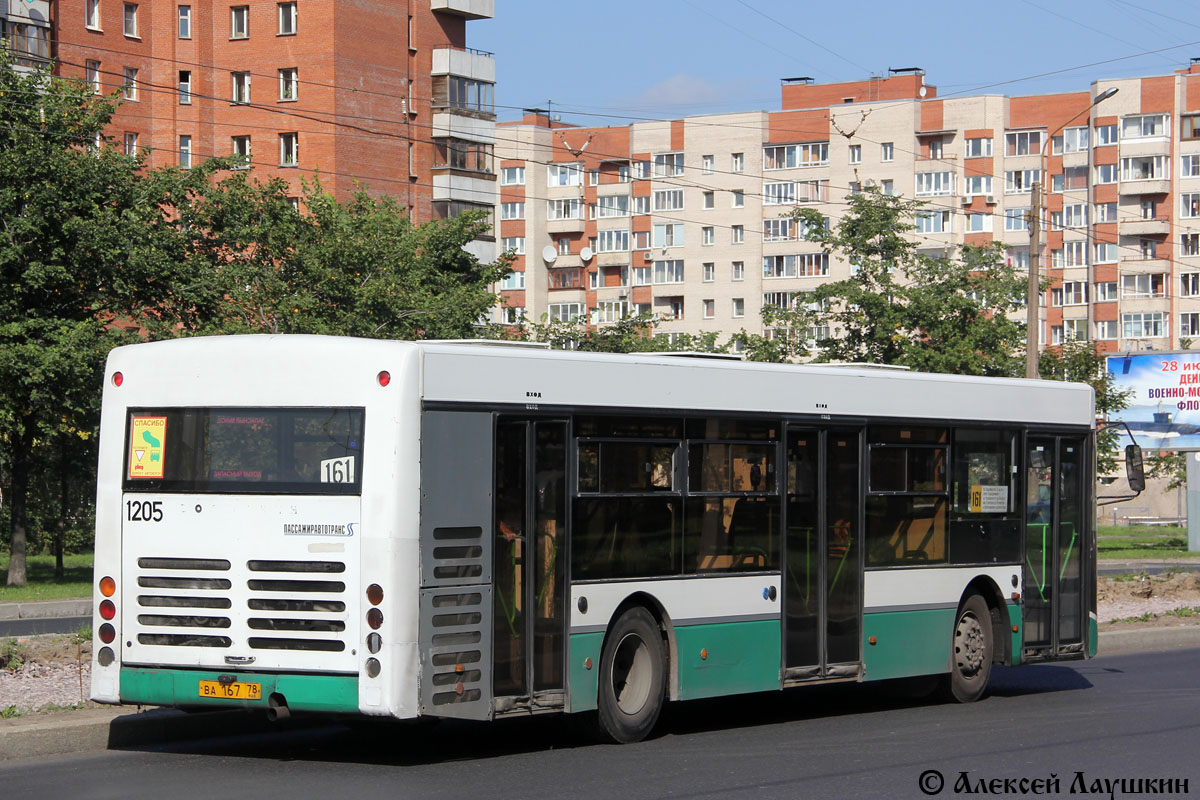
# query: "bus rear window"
251,450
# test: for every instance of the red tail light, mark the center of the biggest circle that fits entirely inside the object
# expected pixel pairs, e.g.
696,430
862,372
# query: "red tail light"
108,610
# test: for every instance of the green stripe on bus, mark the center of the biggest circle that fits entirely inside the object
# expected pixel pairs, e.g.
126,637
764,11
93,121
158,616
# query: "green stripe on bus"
584,648
907,643
176,687
1014,624
740,657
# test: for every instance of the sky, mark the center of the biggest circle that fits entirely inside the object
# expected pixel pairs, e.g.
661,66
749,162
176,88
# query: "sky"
614,61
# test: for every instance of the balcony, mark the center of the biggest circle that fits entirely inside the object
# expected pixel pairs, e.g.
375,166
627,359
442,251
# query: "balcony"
1153,226
566,225
470,9
458,126
564,278
465,188
1145,186
614,259
478,65
1150,146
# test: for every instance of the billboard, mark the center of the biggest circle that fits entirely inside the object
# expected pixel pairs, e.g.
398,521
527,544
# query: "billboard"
1164,409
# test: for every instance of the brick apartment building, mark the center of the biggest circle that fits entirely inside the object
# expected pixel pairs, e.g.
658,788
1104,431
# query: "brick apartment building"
683,217
383,93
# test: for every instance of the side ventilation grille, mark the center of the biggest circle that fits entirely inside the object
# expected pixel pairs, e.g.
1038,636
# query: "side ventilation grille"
456,642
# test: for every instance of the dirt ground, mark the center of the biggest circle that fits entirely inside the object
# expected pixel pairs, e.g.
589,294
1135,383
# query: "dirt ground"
1149,600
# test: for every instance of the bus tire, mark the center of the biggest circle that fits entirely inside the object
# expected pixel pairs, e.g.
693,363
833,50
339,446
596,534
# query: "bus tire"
971,652
632,677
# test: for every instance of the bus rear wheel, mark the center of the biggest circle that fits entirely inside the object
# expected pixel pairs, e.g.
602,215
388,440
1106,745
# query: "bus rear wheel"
632,677
971,652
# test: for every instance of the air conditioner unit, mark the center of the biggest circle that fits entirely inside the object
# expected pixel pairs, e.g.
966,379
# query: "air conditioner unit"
966,201
647,256
990,199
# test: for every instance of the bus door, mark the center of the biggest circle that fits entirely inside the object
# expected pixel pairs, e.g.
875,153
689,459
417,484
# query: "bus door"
1056,549
529,588
823,543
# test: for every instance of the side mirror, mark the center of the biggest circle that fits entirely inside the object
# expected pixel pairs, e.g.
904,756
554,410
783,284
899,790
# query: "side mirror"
1134,472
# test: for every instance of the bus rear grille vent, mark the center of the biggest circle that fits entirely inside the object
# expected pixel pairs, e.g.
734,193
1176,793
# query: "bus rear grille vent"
458,554
314,621
187,598
455,629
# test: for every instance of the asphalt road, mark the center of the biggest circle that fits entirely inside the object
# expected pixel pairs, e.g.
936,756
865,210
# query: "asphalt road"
1116,717
39,625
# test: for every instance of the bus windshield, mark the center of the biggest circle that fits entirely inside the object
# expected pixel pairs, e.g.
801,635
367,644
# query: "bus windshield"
244,450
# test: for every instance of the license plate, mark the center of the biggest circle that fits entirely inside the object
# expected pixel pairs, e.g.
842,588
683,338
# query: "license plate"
231,691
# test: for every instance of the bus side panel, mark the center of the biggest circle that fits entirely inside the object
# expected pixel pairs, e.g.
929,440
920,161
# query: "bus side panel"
728,658
456,564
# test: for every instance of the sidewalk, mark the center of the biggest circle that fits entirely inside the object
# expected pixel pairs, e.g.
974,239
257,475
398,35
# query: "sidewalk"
46,609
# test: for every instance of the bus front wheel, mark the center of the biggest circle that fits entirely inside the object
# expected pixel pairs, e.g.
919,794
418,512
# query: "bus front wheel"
632,677
971,655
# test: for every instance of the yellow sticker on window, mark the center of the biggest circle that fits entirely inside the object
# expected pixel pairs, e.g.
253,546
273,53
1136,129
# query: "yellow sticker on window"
147,445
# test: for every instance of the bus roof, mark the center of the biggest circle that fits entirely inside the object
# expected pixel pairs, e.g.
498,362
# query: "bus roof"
459,372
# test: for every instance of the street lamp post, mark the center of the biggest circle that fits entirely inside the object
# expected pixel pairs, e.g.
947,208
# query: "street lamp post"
1036,215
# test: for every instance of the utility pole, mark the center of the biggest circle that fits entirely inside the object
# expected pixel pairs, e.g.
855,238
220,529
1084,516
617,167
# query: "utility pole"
1033,292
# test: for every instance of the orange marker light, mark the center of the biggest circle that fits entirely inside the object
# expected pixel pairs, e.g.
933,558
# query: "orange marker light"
704,654
108,587
1016,595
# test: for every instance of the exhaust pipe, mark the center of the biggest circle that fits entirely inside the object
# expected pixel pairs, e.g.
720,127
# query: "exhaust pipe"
277,708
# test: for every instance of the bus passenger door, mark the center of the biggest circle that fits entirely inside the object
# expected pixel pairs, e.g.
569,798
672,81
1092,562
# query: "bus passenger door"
1056,545
529,571
823,568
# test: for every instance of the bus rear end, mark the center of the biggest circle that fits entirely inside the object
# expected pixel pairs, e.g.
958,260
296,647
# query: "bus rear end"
229,545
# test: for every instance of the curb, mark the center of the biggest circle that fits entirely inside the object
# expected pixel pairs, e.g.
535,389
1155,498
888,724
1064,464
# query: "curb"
46,609
1148,640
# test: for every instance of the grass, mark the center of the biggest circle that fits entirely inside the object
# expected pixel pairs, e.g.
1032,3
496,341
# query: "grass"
1142,541
76,582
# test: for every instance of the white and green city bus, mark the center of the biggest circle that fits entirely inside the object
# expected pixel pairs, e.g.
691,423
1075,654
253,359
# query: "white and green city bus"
411,529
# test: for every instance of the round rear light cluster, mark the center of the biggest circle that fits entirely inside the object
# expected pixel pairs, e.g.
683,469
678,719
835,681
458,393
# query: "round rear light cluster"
374,614
108,610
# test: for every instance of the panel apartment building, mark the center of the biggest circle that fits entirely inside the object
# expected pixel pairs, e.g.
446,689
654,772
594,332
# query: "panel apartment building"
687,218
383,93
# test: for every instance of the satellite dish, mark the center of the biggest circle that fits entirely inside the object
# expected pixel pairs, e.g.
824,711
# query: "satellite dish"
549,253
586,254
922,91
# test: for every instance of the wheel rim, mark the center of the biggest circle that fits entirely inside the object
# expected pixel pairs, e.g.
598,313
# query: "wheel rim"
632,676
970,646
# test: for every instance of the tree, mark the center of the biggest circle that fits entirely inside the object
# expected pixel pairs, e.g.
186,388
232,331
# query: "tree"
71,221
902,306
1083,362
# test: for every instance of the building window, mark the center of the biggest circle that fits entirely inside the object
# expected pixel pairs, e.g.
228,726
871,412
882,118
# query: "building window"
709,199
739,307
1189,284
612,242
887,151
1144,168
130,90
241,150
239,22
1105,292
185,22
979,148
241,88
611,205
287,19
668,271
91,75
623,173
792,156
512,315
1023,143
1189,166
808,265
1148,325
737,162
1189,244
710,272
91,14
1016,219
130,27
289,83
289,149
564,245
668,199
131,144
1056,334
856,154
512,211
641,276
565,312
707,236
1143,286
185,87
1106,330
977,184
710,308
668,234
737,234
641,205
1189,204
931,184
1189,126
1072,140
185,151
888,188
565,208
1106,212
706,165
1021,181
1071,293
1106,134
463,154
1189,324
512,176
1106,253
1146,125
514,245
668,165
1106,173
564,175
1070,179
739,198
979,223
933,222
